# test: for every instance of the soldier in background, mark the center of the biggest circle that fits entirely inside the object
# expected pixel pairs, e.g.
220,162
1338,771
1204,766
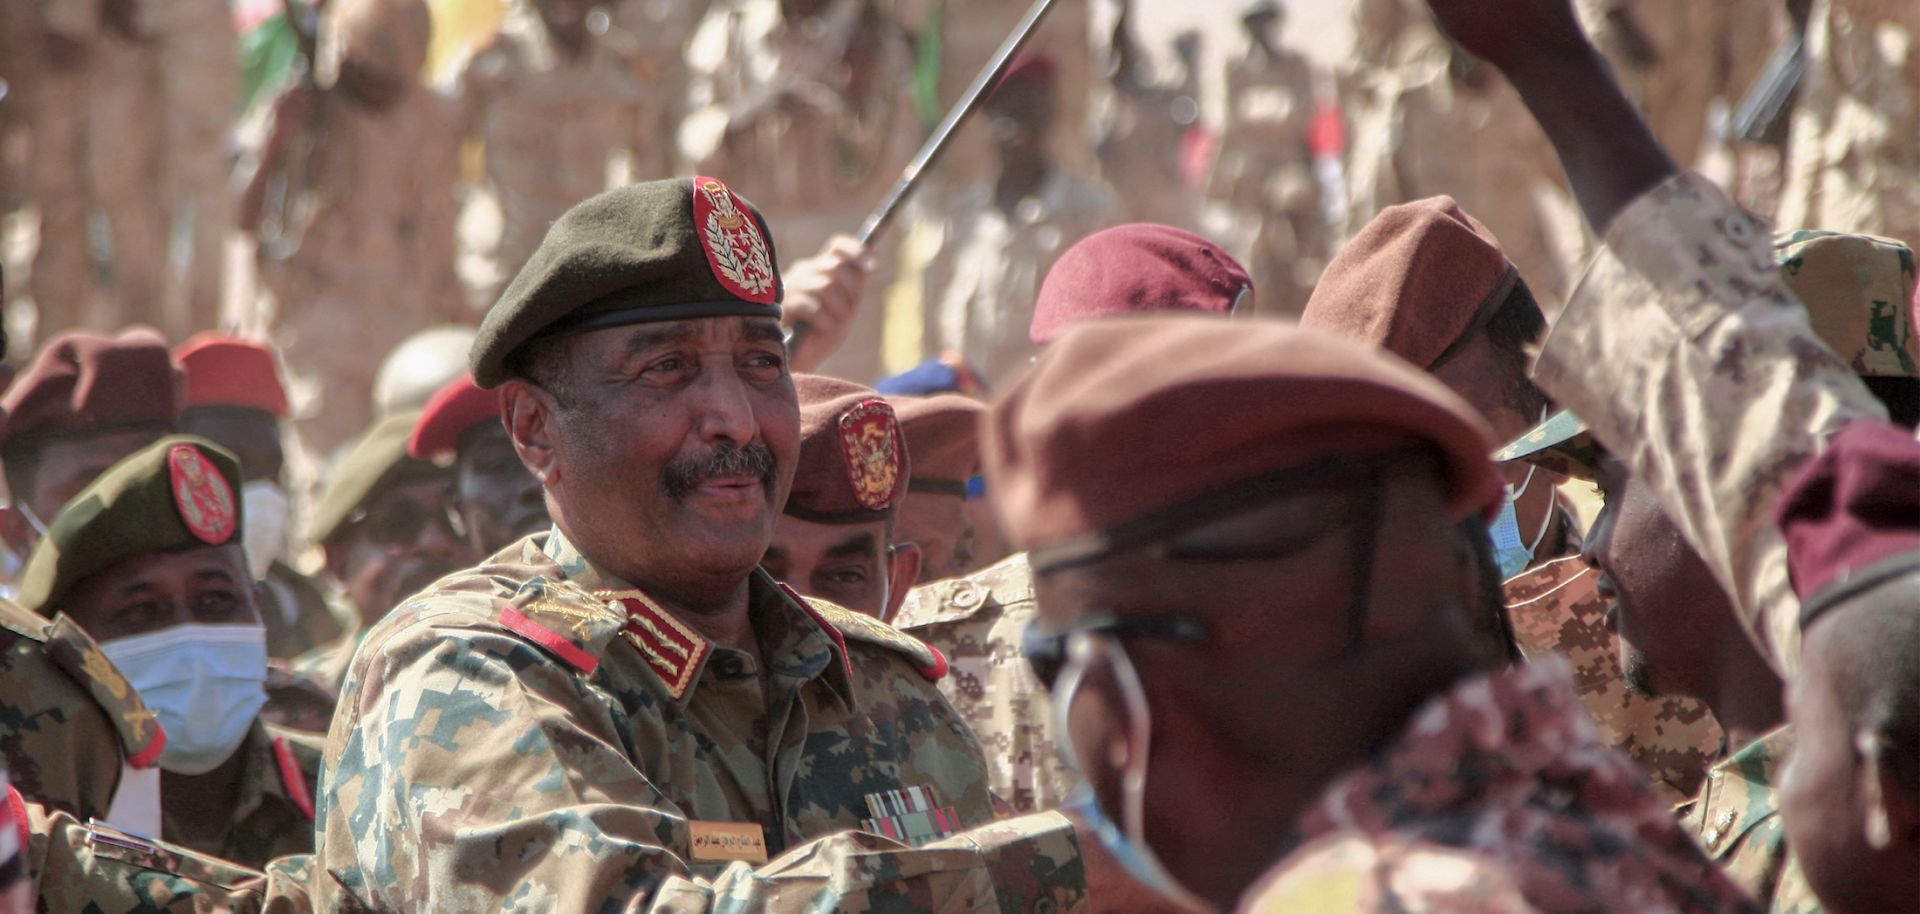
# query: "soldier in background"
1265,169
497,500
1140,123
658,31
1000,236
352,207
943,440
163,94
799,103
62,280
557,106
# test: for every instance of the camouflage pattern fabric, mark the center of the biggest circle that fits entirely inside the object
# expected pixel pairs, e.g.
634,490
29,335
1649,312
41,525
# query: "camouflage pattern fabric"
1555,611
69,721
1691,362
273,814
1499,796
1737,819
1834,274
977,622
536,733
101,870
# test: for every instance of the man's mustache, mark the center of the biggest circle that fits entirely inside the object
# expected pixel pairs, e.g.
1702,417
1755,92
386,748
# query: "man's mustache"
685,474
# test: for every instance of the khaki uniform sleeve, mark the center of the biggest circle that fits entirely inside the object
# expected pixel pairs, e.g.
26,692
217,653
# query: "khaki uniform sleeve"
1690,361
470,771
76,867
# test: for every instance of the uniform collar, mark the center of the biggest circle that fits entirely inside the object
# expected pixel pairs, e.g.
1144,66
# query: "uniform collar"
794,643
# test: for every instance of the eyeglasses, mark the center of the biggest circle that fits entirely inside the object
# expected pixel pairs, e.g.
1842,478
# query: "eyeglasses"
399,524
1047,652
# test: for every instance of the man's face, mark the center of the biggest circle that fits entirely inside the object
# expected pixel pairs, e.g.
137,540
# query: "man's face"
252,435
1666,609
401,539
854,565
68,464
200,585
498,498
1276,586
676,451
1820,796
1018,116
940,526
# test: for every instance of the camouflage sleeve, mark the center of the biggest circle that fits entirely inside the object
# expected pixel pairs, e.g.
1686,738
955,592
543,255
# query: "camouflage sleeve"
1689,360
81,867
468,770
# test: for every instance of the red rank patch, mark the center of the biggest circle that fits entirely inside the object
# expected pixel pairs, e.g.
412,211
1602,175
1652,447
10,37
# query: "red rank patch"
736,250
201,495
871,441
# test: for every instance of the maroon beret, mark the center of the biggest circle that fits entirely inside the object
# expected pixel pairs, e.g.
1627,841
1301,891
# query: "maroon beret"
943,440
1417,282
83,382
1127,418
1135,268
457,406
1851,518
225,370
853,458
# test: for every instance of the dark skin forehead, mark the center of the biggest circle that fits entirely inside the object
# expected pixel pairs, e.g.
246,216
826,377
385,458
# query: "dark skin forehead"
252,435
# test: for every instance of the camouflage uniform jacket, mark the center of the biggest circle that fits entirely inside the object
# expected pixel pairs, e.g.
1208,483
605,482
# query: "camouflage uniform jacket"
977,622
534,733
77,866
273,813
70,723
1692,363
1498,796
1556,611
1737,819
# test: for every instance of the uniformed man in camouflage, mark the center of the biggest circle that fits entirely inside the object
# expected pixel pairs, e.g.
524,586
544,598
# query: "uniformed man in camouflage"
386,523
1428,282
556,105
234,398
937,512
1264,168
835,538
1257,503
149,559
352,210
494,496
625,711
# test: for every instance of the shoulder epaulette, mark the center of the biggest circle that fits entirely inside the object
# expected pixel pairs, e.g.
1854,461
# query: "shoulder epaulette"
1002,584
563,618
296,755
74,651
846,624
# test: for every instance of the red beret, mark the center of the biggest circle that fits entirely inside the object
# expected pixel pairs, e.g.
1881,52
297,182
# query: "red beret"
1851,518
853,458
84,382
1134,268
1027,66
1417,281
943,440
454,408
1124,419
225,370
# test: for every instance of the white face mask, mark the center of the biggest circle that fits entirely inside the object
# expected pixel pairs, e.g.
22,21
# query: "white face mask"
204,682
267,511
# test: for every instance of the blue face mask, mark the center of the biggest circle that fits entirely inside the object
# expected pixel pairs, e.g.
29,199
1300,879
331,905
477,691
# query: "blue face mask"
1510,552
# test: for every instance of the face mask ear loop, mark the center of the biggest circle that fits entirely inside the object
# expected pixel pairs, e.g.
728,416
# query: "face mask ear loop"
1546,520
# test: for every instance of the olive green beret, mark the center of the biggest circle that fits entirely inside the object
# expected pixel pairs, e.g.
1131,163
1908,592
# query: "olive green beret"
655,251
178,491
375,459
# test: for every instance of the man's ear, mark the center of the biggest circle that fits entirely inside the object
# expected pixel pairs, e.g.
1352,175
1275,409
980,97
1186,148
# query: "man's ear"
903,571
527,412
1892,812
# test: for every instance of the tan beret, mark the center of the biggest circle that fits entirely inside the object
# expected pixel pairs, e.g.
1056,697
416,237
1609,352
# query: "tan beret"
1417,281
1127,418
853,459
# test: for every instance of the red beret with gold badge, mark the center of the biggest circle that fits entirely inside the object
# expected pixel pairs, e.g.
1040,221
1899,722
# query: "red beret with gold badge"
1128,419
853,458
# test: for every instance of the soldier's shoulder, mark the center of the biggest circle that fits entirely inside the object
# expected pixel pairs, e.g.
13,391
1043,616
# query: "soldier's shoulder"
91,866
991,591
69,648
525,602
855,630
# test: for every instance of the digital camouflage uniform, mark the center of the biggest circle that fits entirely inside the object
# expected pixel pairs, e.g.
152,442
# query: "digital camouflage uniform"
552,126
95,868
71,726
1556,611
1683,315
1499,796
536,733
273,814
977,621
1737,819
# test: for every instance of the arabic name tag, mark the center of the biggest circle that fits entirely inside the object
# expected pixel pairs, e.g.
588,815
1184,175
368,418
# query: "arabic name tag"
725,842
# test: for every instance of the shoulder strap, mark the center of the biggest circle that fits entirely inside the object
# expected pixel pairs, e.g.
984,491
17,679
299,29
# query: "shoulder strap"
849,625
564,619
74,651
